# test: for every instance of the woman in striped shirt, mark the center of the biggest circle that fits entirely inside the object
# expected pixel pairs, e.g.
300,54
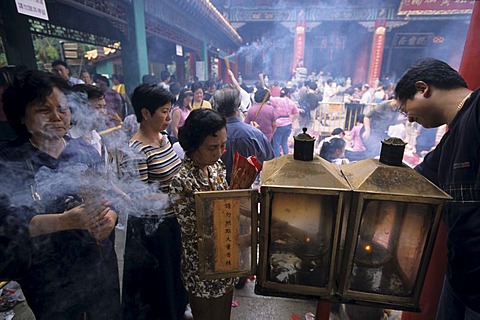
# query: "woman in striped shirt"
152,287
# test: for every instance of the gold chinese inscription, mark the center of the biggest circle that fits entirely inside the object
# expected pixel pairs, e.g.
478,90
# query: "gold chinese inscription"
226,214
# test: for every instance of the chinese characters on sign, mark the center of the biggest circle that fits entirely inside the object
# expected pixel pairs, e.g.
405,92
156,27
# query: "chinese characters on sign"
299,45
412,40
262,15
32,8
422,7
226,213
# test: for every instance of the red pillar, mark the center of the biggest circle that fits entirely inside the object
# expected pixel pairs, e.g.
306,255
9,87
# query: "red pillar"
432,287
378,46
470,68
299,46
323,310
361,64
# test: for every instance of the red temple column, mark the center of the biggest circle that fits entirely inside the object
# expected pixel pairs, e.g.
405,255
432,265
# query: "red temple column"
470,68
376,55
432,288
299,46
361,64
323,310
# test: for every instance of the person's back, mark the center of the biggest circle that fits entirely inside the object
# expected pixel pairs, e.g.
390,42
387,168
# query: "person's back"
355,135
262,114
241,137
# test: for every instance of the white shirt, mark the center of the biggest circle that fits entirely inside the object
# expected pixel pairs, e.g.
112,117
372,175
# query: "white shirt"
91,137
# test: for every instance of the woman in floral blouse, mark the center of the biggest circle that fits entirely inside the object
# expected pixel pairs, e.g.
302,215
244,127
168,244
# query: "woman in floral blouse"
203,137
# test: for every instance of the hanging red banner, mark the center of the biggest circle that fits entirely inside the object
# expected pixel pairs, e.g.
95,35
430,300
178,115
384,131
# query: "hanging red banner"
433,7
377,51
299,47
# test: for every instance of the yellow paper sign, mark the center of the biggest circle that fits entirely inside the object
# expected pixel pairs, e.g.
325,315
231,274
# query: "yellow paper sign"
226,214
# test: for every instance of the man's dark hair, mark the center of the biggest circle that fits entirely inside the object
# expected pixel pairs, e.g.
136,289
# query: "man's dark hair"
209,84
175,88
312,85
199,124
226,101
246,88
119,77
261,94
337,131
59,63
99,78
92,92
360,118
433,72
284,92
149,96
164,75
26,88
148,78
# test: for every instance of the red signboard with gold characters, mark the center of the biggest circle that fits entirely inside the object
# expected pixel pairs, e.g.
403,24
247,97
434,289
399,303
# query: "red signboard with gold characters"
435,7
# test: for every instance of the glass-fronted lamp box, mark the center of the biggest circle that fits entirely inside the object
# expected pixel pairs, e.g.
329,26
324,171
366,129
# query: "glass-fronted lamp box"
301,212
361,233
393,219
227,229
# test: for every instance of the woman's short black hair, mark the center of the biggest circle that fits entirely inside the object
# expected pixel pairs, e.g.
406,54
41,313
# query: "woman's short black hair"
150,96
199,124
92,91
197,85
329,148
27,87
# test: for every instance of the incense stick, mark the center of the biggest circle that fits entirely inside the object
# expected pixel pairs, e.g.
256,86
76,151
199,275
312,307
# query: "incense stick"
227,62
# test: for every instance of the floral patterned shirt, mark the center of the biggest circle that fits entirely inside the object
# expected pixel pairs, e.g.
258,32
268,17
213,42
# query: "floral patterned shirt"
186,182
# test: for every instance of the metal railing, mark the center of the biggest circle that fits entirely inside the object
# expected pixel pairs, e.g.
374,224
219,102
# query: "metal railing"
331,115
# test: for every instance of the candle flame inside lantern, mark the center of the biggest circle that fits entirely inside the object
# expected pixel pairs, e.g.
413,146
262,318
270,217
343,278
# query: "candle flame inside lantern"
368,248
308,240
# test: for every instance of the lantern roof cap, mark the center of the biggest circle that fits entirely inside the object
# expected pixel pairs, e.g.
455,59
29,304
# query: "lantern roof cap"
372,176
317,174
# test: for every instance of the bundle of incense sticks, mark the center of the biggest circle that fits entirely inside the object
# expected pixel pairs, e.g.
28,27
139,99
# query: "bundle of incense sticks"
227,62
110,130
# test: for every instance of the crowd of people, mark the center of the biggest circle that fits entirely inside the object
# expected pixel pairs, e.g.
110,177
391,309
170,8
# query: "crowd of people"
81,162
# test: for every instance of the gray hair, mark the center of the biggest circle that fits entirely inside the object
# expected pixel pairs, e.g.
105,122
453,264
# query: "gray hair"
226,101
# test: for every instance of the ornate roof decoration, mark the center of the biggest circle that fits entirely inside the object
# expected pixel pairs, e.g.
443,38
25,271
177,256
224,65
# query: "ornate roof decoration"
208,10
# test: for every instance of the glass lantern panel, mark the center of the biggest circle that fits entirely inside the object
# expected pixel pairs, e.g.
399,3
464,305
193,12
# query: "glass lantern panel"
225,225
390,246
301,238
